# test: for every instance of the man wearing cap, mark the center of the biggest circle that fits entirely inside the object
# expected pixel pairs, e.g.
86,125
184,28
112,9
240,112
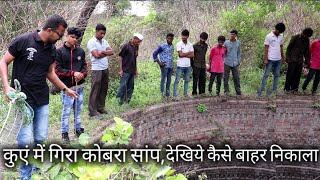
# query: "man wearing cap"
128,68
99,50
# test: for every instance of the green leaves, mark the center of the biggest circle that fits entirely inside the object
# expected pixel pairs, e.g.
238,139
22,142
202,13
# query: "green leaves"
201,108
177,177
54,171
86,171
119,133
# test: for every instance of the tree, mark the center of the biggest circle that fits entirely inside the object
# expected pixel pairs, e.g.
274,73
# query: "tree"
85,14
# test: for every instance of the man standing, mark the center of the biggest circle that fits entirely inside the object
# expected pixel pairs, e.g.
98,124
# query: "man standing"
232,62
165,52
33,56
314,67
273,54
71,69
128,68
297,56
199,65
185,52
216,65
99,49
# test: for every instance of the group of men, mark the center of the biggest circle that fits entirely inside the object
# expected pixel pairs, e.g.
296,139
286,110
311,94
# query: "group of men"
225,56
35,59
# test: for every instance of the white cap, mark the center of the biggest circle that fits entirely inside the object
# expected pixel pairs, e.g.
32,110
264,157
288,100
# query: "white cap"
138,35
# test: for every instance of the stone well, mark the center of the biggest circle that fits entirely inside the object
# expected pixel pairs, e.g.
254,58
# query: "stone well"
291,122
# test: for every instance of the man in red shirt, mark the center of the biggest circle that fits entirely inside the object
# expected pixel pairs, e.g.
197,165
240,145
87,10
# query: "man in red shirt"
216,64
314,67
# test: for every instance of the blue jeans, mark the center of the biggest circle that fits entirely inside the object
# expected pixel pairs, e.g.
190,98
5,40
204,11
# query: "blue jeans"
186,71
37,132
275,67
69,103
166,74
126,87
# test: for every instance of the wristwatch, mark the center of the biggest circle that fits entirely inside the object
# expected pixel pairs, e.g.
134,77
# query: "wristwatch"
64,89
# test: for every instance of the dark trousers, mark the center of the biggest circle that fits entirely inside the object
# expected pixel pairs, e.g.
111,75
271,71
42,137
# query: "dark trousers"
293,76
218,84
99,89
236,79
199,80
126,87
312,72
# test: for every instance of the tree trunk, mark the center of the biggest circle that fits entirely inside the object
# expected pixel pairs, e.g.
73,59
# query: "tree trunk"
85,14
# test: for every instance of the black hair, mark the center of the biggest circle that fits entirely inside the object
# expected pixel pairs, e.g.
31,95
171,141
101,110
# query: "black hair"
100,27
280,27
54,22
170,35
185,33
204,35
221,38
308,32
74,31
234,31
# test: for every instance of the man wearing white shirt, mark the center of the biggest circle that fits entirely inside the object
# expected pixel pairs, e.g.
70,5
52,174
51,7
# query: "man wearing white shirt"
99,50
185,52
273,55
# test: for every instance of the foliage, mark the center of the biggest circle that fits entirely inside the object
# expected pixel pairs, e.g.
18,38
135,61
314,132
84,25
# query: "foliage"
201,108
122,5
119,133
114,136
316,106
248,18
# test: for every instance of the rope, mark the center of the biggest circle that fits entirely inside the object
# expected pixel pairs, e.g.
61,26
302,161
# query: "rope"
18,101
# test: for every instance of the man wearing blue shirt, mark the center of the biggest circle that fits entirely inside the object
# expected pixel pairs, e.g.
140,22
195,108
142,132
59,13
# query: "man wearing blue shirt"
163,55
232,62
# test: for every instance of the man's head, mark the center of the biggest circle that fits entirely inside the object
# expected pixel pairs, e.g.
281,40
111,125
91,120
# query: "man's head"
169,38
233,34
100,31
185,35
137,39
279,28
203,37
307,32
54,28
221,40
73,35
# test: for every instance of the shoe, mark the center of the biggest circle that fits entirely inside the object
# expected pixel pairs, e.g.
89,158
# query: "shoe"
65,138
79,132
103,111
226,93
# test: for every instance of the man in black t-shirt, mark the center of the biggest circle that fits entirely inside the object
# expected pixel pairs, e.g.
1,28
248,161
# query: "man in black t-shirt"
33,56
128,68
71,68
